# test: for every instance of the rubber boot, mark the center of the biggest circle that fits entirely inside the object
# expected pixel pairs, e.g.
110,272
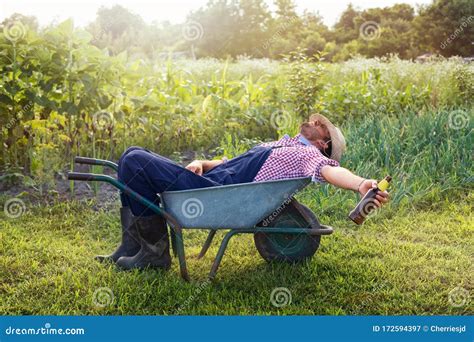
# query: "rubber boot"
155,249
130,240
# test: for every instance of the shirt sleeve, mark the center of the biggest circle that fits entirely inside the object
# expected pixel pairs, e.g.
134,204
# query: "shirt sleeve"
313,163
284,141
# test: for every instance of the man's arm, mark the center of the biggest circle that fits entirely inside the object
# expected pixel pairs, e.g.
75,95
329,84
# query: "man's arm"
201,166
345,179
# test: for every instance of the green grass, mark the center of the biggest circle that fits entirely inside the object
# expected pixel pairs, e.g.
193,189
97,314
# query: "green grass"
403,262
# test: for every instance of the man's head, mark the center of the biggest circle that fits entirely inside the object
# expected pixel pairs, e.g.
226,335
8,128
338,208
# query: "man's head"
318,135
320,132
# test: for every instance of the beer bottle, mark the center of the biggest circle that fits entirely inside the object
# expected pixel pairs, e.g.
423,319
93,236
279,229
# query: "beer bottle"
367,204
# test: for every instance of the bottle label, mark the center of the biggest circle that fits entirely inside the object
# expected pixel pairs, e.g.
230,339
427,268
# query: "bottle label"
383,185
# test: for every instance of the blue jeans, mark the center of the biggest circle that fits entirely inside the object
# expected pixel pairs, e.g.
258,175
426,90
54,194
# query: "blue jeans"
149,173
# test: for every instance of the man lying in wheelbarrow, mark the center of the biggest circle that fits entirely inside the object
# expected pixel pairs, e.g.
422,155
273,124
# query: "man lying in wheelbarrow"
314,152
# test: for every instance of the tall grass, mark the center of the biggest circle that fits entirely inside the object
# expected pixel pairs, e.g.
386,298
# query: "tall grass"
428,157
362,86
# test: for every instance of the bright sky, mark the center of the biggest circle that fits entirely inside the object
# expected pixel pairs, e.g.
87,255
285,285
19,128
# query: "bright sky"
175,11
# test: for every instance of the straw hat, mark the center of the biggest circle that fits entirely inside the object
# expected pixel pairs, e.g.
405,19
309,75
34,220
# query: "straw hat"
338,143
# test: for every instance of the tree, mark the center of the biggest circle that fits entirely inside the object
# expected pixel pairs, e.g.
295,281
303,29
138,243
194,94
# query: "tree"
313,34
375,31
225,28
29,21
118,29
213,29
345,29
253,25
446,27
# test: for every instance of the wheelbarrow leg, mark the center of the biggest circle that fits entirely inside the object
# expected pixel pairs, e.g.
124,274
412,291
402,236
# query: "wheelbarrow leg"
180,251
207,244
220,253
173,241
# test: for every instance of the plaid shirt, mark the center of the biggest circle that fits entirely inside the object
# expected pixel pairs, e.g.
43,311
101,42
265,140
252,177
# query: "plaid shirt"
298,158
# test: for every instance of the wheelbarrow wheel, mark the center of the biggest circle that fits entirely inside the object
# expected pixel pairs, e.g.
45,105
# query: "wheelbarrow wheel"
284,247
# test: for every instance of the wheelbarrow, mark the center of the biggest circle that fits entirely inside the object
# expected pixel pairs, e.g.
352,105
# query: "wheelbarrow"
284,230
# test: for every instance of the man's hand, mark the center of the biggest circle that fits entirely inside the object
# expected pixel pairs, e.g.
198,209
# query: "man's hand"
200,166
380,198
345,179
196,166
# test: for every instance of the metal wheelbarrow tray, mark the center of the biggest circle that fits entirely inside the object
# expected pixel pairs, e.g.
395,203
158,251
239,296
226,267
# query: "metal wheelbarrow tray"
284,230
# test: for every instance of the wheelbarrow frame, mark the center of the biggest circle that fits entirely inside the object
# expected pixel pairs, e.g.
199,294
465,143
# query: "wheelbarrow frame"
176,231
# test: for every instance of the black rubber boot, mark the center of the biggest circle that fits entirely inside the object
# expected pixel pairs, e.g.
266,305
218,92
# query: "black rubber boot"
130,240
155,248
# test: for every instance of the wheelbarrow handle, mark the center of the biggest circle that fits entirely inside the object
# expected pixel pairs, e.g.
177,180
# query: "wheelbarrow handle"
93,161
79,176
125,189
323,230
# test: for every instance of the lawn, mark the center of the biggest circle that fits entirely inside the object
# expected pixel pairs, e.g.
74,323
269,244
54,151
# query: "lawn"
405,262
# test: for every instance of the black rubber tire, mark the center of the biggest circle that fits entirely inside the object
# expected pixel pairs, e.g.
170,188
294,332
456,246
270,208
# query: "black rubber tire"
290,248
